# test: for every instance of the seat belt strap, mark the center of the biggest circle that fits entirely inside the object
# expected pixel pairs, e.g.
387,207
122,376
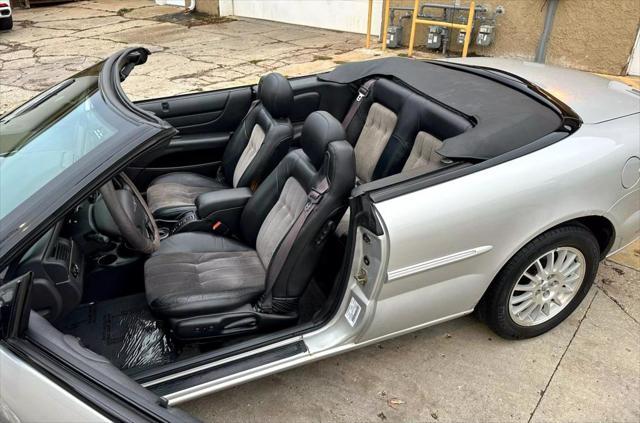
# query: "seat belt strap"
363,92
277,262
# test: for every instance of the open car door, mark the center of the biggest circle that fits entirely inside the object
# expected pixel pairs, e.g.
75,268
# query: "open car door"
49,376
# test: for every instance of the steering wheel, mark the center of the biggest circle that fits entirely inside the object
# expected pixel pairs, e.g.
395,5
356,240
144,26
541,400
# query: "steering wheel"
131,214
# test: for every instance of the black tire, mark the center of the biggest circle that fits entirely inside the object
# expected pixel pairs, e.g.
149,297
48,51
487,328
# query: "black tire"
6,23
494,308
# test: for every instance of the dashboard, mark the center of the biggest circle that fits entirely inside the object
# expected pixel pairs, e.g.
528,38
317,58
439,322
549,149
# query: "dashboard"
58,266
61,259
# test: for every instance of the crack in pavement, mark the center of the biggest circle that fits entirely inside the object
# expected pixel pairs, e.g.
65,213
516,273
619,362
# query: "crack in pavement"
611,263
544,391
617,302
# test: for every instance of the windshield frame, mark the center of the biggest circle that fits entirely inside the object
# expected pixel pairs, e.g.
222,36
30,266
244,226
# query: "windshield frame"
56,198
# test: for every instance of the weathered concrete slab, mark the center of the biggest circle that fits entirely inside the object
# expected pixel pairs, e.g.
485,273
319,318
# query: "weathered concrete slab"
104,31
149,12
81,24
599,378
630,256
110,5
622,285
458,371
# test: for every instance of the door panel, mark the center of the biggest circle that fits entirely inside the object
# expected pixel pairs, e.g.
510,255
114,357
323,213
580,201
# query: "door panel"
203,113
205,122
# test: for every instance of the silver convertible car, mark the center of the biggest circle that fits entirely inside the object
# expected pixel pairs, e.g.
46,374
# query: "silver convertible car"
155,252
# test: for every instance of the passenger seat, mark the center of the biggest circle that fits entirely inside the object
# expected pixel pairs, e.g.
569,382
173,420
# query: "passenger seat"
255,148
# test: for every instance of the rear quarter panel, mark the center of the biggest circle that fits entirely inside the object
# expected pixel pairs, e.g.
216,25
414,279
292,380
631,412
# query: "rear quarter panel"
495,212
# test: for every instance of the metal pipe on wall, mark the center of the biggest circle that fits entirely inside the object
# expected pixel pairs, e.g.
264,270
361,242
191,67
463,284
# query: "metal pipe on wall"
478,9
541,51
369,13
468,27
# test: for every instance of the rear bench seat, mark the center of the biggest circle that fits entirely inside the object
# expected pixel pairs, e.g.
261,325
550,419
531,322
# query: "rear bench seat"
395,130
387,125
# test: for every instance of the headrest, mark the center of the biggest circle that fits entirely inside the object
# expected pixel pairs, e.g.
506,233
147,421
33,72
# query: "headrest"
320,128
276,95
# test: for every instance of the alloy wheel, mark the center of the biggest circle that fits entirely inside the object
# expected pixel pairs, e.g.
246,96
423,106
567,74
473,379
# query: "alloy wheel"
547,286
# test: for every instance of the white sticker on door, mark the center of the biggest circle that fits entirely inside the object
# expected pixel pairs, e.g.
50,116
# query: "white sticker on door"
353,311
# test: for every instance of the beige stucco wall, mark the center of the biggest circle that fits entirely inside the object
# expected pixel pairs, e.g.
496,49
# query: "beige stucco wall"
212,7
592,35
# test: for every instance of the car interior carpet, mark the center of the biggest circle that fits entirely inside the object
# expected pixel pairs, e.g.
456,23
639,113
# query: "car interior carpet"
123,330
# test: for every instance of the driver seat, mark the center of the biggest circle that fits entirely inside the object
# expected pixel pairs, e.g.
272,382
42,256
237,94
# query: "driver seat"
208,286
253,150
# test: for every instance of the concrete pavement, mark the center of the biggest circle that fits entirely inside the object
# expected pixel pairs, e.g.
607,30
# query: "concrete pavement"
49,44
587,369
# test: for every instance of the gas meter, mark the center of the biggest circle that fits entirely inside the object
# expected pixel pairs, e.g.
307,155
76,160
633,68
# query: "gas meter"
394,36
461,35
486,34
434,37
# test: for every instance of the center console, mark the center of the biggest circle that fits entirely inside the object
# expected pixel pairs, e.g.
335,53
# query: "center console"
217,211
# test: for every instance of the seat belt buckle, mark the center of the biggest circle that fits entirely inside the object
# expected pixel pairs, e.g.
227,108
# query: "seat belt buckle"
362,93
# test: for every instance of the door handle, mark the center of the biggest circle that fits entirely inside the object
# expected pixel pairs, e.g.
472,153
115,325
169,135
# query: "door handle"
165,106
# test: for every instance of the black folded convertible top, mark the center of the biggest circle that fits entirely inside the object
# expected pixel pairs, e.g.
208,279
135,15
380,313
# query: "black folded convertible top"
505,118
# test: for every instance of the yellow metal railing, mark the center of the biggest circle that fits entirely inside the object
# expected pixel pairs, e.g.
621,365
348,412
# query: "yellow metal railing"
415,21
370,11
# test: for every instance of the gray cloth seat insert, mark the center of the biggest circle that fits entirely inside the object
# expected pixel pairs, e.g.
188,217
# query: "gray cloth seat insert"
424,153
179,190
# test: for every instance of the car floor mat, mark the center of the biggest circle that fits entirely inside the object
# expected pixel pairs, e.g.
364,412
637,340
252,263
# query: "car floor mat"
122,330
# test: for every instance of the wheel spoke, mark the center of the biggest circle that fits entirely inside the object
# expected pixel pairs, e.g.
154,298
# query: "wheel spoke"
521,307
541,271
571,257
531,312
570,271
571,280
533,278
546,308
527,287
520,298
562,256
550,262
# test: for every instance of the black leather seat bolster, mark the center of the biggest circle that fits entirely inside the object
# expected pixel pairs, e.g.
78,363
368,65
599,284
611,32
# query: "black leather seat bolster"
278,135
